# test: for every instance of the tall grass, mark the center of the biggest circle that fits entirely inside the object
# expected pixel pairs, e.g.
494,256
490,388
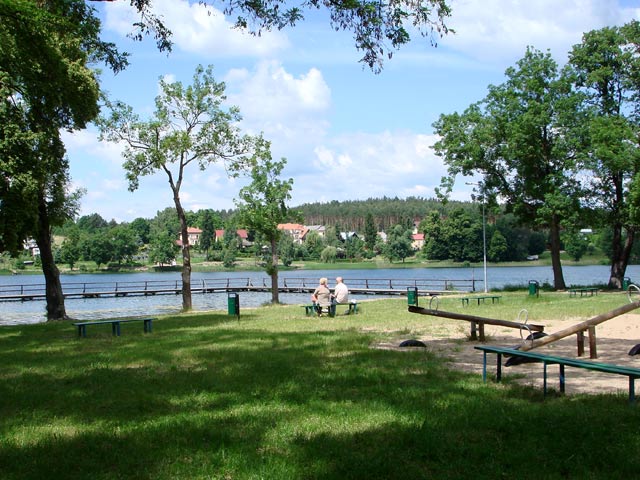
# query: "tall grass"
280,395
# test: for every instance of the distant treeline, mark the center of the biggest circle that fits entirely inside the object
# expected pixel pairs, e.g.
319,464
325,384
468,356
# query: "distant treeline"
350,215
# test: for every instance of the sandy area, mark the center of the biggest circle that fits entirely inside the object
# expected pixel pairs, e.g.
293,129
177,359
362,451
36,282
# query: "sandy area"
614,337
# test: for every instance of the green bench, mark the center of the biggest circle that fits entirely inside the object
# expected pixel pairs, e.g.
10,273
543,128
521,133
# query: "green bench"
591,291
311,309
630,372
115,325
478,298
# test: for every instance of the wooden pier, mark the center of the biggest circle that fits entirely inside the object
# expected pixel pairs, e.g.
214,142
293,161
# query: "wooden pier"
376,286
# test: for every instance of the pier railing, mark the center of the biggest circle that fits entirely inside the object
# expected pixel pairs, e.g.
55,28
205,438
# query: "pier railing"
210,285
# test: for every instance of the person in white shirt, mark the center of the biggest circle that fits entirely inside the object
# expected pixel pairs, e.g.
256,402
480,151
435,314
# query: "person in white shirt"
340,292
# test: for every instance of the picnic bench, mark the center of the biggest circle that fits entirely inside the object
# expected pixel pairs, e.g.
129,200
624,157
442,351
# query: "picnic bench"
115,325
312,309
590,291
630,372
478,298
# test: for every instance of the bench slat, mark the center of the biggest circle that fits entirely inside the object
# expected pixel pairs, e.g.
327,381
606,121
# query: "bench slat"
630,372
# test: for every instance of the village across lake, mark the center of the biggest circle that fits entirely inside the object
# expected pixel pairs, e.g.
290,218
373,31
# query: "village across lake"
12,313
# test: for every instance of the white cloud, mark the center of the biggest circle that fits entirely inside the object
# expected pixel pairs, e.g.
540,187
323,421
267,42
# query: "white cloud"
199,29
360,166
494,30
291,110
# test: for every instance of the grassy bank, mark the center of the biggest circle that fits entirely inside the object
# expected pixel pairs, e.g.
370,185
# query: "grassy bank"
280,395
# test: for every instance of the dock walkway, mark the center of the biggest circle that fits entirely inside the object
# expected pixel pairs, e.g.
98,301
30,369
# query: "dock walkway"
28,292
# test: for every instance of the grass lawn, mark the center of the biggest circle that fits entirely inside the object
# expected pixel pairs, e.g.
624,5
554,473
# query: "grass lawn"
279,395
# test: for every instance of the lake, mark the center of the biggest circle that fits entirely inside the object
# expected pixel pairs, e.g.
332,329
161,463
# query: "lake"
12,313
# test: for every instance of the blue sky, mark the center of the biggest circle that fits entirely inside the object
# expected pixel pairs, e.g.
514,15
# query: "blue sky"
347,133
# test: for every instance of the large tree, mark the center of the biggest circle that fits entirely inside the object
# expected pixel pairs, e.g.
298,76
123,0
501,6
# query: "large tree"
46,85
607,70
378,28
522,140
263,205
190,126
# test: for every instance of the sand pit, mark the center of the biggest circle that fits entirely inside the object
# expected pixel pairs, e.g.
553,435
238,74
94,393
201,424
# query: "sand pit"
615,338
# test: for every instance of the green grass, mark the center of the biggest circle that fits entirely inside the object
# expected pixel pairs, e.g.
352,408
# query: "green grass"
279,395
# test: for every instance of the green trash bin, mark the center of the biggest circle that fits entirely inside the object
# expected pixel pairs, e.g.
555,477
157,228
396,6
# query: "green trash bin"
233,304
412,296
626,281
534,288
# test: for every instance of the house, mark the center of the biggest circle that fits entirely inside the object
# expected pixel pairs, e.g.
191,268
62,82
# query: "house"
193,234
295,230
417,241
383,236
32,247
241,232
344,236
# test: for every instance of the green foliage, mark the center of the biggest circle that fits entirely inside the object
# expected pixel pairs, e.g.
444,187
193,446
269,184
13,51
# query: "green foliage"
370,232
497,249
398,245
606,70
377,29
190,126
296,398
522,139
70,251
163,248
329,254
263,205
576,244
142,228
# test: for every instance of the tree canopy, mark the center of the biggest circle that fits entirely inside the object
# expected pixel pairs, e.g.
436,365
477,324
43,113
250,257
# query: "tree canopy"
190,126
378,28
46,85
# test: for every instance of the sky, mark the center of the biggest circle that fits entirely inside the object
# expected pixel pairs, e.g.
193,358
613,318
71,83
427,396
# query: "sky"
346,133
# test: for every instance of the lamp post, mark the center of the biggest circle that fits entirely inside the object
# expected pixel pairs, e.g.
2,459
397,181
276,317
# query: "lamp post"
484,241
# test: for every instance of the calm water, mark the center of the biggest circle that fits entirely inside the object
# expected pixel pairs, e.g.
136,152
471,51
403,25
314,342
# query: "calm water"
12,313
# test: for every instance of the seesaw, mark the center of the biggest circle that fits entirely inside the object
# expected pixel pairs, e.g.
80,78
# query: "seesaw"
477,322
580,328
534,341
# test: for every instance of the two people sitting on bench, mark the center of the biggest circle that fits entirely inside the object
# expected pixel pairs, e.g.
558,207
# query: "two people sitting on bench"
325,300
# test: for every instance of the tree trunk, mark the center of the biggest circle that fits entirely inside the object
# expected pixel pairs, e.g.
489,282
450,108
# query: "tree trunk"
186,256
275,295
53,287
558,277
620,256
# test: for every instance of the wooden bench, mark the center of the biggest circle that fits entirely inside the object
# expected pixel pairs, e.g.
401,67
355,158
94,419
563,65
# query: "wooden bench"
115,325
630,372
494,298
591,291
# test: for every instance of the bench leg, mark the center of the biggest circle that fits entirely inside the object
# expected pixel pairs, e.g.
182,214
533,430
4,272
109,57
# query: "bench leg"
632,390
82,330
484,366
115,328
147,326
499,368
562,378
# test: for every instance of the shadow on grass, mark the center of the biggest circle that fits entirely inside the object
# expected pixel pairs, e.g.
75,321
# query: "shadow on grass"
203,398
